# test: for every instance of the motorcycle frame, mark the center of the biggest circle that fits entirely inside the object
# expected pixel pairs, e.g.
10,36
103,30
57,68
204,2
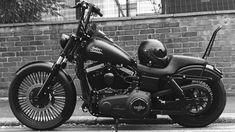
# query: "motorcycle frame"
81,73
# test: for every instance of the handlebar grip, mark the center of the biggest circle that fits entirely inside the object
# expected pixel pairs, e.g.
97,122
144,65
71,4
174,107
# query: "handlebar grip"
97,11
80,4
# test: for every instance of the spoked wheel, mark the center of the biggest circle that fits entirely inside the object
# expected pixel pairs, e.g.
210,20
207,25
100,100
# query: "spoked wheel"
48,112
207,103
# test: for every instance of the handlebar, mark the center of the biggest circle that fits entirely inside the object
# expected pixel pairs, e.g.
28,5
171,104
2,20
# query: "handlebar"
84,21
86,5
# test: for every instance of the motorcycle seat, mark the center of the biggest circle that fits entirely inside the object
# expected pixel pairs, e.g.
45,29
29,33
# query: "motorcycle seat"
175,62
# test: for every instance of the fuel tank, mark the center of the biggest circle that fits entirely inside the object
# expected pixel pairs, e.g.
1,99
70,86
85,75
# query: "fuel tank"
102,49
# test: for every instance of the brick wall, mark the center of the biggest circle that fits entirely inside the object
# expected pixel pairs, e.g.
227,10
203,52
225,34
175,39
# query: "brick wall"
186,34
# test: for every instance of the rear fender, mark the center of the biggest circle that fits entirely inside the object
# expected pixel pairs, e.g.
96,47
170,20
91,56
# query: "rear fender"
205,71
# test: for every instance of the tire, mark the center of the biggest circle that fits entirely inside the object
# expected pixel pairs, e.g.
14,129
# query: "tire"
53,110
210,114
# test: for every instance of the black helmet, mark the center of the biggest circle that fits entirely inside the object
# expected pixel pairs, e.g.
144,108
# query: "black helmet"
153,53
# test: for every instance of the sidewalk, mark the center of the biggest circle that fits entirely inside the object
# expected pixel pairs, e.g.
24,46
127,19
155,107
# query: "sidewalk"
79,117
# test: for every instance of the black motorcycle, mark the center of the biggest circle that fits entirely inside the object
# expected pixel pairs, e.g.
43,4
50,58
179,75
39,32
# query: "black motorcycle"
42,95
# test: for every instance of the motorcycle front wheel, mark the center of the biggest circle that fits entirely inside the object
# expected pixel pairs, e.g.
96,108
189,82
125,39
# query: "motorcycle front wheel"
48,112
204,112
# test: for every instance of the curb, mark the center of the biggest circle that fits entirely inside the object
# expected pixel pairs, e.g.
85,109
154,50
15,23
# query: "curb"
91,120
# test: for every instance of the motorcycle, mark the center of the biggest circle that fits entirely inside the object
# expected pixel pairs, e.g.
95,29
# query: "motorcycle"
42,95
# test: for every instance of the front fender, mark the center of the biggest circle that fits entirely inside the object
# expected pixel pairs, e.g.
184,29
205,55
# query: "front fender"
201,70
35,63
47,65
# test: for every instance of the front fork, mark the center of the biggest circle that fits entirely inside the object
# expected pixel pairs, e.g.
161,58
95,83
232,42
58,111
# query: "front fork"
60,64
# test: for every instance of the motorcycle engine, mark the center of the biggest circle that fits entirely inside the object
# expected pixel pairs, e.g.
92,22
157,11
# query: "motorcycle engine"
102,76
133,105
114,94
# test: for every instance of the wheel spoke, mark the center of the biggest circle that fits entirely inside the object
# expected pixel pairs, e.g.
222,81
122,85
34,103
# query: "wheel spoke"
49,111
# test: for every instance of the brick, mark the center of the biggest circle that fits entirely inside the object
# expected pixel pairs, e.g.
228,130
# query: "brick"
51,42
196,49
189,34
35,32
158,36
55,36
173,35
141,26
230,69
27,38
37,53
190,44
174,24
165,30
56,47
4,79
178,29
147,31
29,48
173,45
126,27
223,64
3,49
8,74
8,54
44,58
9,64
220,59
132,43
14,59
110,28
196,39
21,43
180,40
21,33
180,50
2,39
128,32
156,25
52,31
125,38
6,34
50,53
223,54
166,40
23,53
29,58
129,48
7,44
3,59
3,69
14,49
141,37
28,32
44,48
65,30
13,39
42,37
36,43
13,69
110,33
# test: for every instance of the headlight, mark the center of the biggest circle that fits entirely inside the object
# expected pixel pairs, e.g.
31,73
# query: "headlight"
63,40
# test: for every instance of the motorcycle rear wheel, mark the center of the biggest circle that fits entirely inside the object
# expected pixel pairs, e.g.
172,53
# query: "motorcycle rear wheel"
211,114
52,110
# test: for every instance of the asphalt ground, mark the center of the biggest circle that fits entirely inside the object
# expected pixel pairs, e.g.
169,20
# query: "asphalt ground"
79,117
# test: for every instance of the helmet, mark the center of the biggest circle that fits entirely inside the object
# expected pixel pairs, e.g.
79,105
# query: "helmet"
153,53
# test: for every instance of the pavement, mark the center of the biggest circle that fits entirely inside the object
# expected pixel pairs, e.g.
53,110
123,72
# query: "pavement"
79,117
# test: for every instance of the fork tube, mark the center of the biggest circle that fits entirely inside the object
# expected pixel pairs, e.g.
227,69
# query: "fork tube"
53,73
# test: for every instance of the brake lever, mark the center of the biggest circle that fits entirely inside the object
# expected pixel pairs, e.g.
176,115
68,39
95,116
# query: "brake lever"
81,4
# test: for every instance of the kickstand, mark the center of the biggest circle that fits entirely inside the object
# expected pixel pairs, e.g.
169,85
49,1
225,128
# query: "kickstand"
116,124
